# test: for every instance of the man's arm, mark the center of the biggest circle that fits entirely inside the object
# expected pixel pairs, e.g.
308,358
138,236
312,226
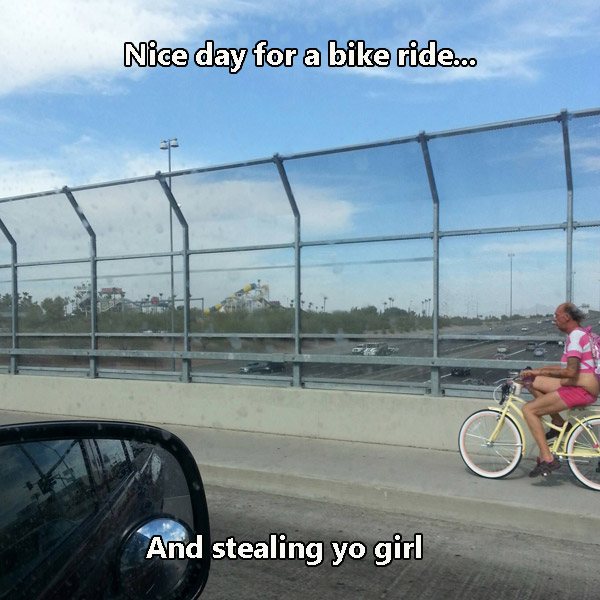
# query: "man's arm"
568,372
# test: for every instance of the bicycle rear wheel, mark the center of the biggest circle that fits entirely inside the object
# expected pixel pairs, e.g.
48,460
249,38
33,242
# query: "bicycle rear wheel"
584,454
490,459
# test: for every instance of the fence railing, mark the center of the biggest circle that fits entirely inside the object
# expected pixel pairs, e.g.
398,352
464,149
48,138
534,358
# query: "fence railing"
426,264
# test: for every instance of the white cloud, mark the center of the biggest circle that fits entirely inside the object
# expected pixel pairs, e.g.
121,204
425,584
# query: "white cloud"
509,38
491,64
548,244
552,19
591,164
47,43
233,212
24,177
76,45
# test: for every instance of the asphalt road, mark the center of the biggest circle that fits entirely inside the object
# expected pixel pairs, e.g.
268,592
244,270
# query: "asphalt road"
457,561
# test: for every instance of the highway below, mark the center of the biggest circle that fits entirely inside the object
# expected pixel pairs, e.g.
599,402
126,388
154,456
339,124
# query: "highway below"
515,342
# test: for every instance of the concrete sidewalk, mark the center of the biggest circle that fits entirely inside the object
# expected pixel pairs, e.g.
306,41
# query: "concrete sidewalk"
415,481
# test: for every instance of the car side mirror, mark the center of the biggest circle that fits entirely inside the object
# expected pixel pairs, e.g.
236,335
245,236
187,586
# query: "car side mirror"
82,503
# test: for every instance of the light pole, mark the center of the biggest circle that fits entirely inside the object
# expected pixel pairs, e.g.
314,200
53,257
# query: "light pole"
167,145
510,256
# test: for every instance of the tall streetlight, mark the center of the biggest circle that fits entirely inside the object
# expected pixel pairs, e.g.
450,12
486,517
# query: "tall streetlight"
167,145
510,256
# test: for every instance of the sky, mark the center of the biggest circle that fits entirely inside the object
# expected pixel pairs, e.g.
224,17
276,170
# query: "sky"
71,113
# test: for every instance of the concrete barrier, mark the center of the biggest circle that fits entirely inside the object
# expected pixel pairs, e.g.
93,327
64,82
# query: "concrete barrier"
381,418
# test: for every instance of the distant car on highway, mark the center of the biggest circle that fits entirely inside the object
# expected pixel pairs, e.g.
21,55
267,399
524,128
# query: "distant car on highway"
539,352
262,367
524,328
474,381
530,346
376,349
460,372
501,349
358,349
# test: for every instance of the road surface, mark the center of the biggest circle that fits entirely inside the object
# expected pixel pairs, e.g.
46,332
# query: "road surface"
457,561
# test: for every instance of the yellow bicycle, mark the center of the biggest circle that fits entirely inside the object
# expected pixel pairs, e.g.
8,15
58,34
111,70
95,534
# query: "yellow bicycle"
492,441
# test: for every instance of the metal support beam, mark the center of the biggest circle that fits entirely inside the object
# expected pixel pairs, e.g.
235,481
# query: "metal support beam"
564,118
93,372
435,371
297,375
185,252
15,297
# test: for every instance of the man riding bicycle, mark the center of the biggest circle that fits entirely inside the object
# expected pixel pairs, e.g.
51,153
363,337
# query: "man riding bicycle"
556,388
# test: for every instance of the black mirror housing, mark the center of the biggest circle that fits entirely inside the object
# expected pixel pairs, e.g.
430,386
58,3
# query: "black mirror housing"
77,499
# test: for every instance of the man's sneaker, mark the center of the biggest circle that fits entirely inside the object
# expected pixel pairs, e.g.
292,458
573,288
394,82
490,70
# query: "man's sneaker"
550,435
545,468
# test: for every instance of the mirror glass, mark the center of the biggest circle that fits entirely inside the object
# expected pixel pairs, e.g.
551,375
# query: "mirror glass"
67,506
153,577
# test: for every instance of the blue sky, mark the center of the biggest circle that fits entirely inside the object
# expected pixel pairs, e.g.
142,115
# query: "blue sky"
71,113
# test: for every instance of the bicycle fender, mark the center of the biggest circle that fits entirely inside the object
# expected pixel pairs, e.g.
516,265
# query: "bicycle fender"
588,418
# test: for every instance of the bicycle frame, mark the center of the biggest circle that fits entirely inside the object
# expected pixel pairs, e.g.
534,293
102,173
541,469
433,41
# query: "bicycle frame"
511,407
510,404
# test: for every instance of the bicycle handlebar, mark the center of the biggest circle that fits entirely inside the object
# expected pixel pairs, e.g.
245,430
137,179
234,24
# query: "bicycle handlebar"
510,386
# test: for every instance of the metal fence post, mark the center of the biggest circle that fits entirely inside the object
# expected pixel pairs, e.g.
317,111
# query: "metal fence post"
94,281
14,367
296,374
564,118
435,371
186,373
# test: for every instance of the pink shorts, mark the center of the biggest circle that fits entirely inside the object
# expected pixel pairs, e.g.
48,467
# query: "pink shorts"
573,396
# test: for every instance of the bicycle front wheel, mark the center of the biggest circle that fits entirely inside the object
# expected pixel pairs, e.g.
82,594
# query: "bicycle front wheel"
583,453
489,458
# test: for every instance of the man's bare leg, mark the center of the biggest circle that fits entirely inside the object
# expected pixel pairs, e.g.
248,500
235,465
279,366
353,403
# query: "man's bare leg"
544,385
533,412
